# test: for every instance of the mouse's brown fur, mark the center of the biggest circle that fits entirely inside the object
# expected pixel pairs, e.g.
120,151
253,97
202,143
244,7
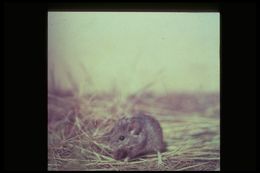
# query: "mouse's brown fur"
134,136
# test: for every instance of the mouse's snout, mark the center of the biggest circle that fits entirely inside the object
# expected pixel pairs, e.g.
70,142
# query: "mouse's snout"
120,154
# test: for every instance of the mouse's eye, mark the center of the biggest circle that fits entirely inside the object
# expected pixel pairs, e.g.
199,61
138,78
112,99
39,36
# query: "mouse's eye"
121,138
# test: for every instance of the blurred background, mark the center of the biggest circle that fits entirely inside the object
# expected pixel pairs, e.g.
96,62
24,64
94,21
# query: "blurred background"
164,52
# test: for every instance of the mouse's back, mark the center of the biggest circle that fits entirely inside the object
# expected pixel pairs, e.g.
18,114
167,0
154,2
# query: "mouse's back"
152,131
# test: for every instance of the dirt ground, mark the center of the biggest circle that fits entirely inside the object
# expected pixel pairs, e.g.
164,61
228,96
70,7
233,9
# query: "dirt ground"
190,123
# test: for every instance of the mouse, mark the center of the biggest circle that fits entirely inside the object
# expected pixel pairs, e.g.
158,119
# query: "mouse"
134,136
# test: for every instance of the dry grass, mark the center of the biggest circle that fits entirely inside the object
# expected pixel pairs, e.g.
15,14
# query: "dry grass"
190,124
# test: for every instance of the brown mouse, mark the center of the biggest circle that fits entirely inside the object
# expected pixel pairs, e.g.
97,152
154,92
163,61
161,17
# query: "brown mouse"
135,136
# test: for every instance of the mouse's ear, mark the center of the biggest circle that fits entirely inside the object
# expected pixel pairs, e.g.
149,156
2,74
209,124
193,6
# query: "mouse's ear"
134,127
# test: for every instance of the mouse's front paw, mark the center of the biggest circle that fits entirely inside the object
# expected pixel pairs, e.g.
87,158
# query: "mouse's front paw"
120,154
